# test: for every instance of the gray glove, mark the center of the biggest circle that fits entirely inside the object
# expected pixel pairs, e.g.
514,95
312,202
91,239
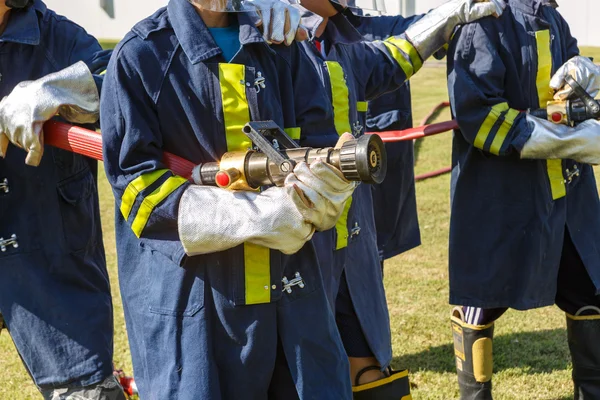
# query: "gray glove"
279,21
434,30
583,70
556,141
212,219
322,193
71,92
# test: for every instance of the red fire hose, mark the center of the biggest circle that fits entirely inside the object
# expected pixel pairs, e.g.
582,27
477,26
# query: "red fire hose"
89,143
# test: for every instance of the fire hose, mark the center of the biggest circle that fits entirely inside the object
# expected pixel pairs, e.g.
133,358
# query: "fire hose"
89,143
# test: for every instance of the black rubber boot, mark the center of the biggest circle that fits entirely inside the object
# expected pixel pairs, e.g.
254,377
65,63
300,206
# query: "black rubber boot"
394,387
473,354
583,331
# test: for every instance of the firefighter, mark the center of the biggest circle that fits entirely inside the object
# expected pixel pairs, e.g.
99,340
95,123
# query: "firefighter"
394,200
222,291
525,222
353,73
54,288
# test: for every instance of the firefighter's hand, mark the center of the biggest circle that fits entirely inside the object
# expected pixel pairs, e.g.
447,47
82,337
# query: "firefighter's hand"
556,141
279,21
583,70
320,193
71,93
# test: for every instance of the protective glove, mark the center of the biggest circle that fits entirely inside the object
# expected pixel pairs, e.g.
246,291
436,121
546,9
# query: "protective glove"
434,30
212,219
583,70
280,22
71,92
555,141
321,191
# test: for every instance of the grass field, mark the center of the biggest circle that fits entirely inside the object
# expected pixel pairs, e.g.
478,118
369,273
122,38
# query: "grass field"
532,360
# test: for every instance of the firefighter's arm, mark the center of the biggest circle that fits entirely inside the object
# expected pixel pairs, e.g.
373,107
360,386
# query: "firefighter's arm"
387,64
158,205
476,86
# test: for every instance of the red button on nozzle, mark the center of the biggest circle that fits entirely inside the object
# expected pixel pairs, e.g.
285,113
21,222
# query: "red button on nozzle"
222,179
556,117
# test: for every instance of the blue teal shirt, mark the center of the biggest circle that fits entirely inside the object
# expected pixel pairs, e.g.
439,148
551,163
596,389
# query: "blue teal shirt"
228,39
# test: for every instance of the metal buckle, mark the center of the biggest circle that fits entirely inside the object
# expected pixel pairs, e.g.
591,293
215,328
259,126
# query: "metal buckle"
4,185
8,242
259,82
357,128
355,231
297,281
571,174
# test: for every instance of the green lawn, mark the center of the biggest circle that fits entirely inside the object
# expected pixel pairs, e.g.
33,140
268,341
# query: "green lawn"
532,360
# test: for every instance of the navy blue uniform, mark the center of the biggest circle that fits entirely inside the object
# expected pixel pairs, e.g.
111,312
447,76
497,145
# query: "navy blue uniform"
353,73
215,325
394,200
510,216
54,288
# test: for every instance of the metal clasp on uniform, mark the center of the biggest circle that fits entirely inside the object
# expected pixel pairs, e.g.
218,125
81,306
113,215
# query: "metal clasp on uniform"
259,82
297,281
4,185
8,242
571,174
357,128
355,231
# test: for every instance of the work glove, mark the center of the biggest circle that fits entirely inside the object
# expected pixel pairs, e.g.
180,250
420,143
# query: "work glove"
556,141
212,219
71,93
434,30
321,191
583,70
279,21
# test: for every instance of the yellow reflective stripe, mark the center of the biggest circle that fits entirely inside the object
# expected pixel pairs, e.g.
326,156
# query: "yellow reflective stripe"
557,180
509,119
542,81
258,274
409,49
236,113
380,382
341,226
152,200
362,106
340,97
293,133
544,72
488,124
406,66
102,73
135,187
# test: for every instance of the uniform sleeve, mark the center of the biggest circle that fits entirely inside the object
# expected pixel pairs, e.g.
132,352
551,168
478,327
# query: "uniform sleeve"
311,103
382,27
147,194
476,81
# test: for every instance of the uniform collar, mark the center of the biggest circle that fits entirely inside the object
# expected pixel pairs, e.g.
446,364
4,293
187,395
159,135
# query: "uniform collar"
23,26
530,7
194,36
340,31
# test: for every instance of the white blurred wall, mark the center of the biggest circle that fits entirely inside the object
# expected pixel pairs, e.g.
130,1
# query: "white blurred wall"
583,15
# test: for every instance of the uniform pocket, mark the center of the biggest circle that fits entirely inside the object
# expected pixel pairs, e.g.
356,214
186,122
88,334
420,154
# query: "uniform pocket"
172,289
78,208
